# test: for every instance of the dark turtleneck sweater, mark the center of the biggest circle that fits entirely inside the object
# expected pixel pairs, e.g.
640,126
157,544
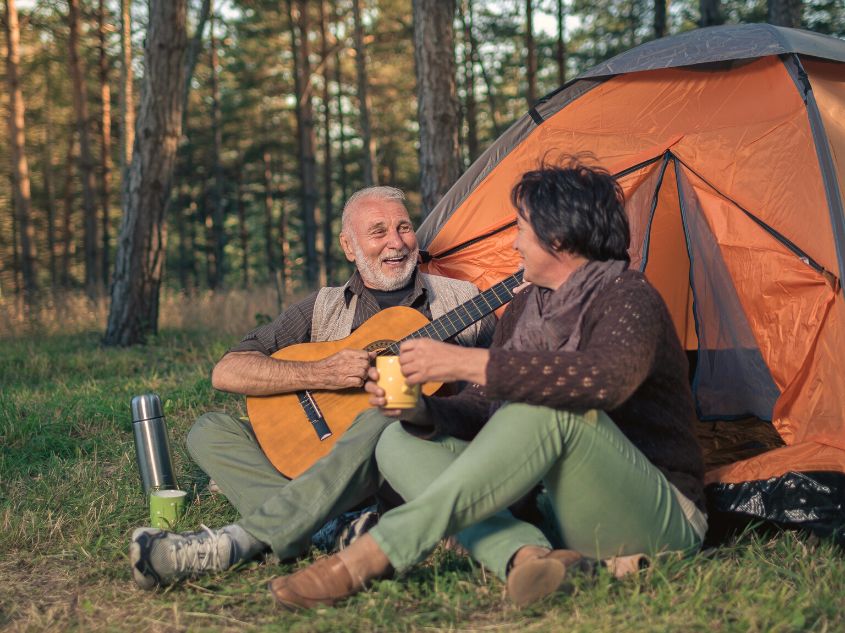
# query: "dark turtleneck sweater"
629,363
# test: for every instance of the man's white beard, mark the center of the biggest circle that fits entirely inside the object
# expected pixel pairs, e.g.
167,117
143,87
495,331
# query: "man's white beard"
375,277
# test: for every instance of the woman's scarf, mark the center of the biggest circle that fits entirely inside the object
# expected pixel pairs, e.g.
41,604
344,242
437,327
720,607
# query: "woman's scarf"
553,319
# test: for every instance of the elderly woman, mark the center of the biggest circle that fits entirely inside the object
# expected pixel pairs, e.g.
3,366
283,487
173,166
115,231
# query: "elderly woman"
587,384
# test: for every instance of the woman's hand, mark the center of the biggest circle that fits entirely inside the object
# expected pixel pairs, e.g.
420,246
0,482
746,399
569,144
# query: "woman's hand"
425,360
377,399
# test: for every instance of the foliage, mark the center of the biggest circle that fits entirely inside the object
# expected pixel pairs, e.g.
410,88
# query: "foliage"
258,117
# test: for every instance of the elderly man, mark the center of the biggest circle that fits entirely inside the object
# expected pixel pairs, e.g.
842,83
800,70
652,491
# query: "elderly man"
278,513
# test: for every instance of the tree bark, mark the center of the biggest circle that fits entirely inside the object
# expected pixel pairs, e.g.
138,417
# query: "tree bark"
561,43
218,237
341,126
143,232
328,207
47,168
369,166
785,12
299,25
488,82
105,143
659,18
67,225
86,160
243,230
127,99
711,13
470,104
269,251
192,57
530,55
20,166
437,103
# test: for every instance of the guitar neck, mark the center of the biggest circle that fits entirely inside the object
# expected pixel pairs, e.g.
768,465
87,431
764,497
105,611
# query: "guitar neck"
464,315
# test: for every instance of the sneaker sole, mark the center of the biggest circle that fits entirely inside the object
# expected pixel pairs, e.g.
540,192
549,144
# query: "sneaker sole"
143,575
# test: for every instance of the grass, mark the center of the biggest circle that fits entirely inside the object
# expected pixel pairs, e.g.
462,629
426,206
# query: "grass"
70,496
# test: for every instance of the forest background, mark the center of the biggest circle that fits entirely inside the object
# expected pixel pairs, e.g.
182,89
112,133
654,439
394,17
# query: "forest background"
286,108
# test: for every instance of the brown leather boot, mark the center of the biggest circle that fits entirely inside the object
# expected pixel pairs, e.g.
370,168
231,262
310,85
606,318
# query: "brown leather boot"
537,572
332,579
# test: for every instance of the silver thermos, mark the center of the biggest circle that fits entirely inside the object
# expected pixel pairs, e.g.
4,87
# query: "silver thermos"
152,446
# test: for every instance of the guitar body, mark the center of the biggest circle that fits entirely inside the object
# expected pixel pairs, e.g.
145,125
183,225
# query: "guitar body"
283,429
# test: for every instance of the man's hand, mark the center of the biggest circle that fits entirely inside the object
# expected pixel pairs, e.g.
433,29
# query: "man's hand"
425,360
342,370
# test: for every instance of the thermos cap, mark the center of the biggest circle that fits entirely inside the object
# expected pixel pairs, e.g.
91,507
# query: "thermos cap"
146,407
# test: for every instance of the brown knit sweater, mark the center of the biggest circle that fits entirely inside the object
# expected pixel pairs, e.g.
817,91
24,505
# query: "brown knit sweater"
629,363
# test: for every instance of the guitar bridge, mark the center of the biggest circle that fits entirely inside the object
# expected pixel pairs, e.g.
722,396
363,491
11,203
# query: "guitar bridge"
314,415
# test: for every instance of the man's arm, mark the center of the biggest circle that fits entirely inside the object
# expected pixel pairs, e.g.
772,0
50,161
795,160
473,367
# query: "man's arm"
256,374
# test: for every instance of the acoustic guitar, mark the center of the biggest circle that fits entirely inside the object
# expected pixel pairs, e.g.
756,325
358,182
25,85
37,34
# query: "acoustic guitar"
296,429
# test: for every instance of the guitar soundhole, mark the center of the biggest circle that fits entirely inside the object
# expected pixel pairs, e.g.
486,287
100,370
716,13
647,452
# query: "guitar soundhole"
377,346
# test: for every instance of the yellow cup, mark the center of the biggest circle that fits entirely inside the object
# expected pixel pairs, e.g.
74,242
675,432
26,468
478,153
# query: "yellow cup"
398,393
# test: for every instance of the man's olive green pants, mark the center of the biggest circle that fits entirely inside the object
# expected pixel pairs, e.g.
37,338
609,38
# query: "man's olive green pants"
608,499
278,511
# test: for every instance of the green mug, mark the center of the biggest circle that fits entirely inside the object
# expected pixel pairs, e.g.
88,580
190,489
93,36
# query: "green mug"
166,506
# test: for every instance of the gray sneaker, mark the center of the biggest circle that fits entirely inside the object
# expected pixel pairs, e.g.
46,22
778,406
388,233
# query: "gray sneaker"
160,558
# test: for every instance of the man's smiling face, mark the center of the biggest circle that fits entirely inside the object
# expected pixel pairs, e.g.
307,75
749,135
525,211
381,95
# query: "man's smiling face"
379,238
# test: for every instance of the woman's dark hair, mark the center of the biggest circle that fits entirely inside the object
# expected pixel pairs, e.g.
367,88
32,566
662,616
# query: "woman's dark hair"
575,208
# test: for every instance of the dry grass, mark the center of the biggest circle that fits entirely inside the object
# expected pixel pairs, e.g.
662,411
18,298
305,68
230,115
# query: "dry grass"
229,312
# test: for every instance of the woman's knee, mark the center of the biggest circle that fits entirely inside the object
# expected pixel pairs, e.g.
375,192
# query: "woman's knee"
390,443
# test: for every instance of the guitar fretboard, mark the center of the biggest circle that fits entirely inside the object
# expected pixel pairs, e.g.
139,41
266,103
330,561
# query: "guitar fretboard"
459,319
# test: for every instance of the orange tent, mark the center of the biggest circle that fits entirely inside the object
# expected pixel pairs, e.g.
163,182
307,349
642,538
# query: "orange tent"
730,145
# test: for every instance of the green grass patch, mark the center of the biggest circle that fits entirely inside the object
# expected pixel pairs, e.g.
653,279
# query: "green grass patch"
70,496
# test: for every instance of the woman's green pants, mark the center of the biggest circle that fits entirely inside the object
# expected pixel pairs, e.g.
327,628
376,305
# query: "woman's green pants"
607,498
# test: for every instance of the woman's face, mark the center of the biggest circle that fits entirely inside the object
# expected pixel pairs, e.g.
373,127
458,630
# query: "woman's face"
542,268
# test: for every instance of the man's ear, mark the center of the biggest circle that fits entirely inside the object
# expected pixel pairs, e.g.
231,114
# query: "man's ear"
347,248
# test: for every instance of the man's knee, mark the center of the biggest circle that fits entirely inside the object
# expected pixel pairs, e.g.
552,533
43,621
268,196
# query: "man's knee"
204,430
371,421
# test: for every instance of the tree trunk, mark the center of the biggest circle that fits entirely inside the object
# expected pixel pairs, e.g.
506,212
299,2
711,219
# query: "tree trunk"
328,214
341,127
16,262
530,55
470,104
143,231
243,230
47,168
561,43
786,12
105,143
218,238
272,269
127,99
20,166
659,18
437,103
182,233
711,12
192,56
86,159
305,119
67,230
369,166
488,82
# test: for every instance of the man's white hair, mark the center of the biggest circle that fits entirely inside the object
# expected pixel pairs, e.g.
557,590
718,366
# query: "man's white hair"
369,193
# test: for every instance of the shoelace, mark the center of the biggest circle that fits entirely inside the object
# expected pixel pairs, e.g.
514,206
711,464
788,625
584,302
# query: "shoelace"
198,552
